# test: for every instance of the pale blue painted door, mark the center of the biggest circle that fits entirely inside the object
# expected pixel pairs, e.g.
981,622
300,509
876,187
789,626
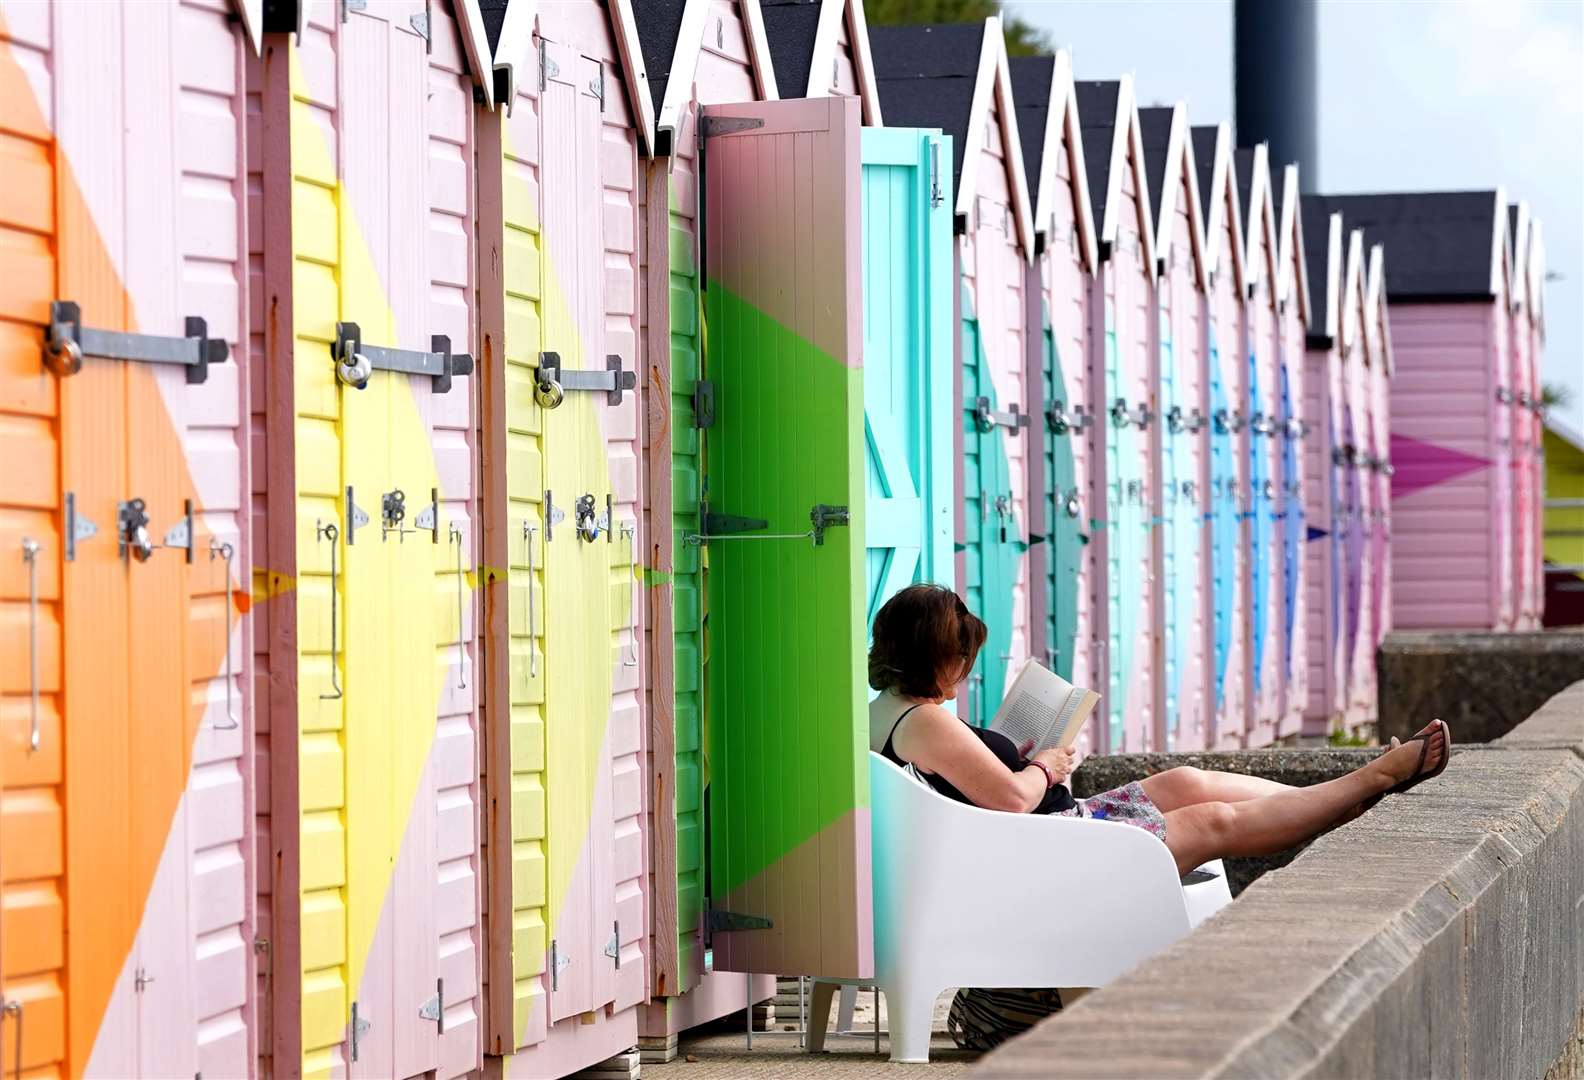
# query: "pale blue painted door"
907,301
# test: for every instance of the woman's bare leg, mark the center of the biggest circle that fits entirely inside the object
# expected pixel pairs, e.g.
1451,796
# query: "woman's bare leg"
1189,786
1263,826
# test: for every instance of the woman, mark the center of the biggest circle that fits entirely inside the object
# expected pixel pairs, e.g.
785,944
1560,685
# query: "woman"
925,644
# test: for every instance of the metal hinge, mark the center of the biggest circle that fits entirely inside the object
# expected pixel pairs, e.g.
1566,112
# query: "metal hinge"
434,1008
597,87
356,516
712,126
429,517
613,946
420,23
703,404
78,528
548,68
356,1029
67,341
553,516
729,524
554,380
936,197
349,6
717,921
355,361
988,419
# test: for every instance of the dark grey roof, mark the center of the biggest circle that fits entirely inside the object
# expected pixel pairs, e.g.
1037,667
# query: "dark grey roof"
790,27
1243,167
1316,217
1031,90
1097,113
1439,244
1204,144
494,12
659,23
1155,128
926,75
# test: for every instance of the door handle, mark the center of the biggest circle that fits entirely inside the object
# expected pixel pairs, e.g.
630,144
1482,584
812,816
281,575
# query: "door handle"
629,533
455,535
30,553
328,531
533,651
225,551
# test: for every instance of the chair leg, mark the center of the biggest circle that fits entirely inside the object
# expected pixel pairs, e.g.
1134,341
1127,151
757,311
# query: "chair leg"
910,1014
847,1004
819,1015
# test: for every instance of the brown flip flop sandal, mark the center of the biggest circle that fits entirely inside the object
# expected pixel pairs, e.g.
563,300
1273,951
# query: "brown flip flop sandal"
1419,774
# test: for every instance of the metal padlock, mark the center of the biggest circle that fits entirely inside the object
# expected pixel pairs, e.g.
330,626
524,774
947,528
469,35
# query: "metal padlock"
135,538
585,519
354,370
548,393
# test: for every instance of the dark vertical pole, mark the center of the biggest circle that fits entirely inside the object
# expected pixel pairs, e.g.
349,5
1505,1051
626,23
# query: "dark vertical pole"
1274,82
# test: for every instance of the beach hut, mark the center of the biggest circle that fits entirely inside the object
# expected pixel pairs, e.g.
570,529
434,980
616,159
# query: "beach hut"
1448,286
566,523
1534,291
1526,438
1123,347
821,47
1262,393
1228,378
1295,429
955,78
1326,250
1070,595
1186,616
694,54
1376,473
367,460
1564,524
1356,358
126,768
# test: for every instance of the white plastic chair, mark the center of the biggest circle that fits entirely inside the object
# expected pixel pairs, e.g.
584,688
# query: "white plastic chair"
971,897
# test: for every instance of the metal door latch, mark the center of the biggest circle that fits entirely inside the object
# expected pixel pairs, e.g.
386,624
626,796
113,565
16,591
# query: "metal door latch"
1259,425
356,362
1121,416
67,341
1190,491
132,523
1174,420
1060,421
555,381
988,419
141,979
393,511
588,523
1071,505
824,517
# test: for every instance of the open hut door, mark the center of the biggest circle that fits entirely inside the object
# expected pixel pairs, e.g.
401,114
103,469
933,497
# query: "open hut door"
907,372
784,536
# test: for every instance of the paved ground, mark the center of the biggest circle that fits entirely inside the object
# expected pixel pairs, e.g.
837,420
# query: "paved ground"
720,1051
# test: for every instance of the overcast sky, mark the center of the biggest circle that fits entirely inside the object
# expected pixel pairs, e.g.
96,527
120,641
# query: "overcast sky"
1414,95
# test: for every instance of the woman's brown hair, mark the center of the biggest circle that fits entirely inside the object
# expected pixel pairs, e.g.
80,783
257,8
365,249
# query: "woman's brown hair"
925,639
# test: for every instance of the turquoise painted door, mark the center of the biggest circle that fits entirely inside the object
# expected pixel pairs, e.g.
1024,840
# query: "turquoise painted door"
993,539
1065,527
1261,527
1222,512
784,530
907,281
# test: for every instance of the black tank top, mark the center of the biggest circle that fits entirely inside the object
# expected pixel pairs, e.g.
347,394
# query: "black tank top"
1055,801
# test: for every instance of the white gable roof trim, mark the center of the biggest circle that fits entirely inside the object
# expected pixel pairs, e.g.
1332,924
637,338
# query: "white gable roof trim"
994,82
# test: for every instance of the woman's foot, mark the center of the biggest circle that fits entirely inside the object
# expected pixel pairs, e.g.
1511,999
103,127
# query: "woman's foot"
1408,764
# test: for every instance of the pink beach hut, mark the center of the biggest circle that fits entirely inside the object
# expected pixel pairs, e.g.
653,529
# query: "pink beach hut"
1526,479
1124,360
1448,285
1228,379
1182,274
821,47
1325,600
695,54
955,78
1263,353
127,748
564,390
1378,468
1534,271
1295,430
1070,586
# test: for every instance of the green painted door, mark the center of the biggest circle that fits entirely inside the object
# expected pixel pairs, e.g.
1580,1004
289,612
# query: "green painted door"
907,271
787,726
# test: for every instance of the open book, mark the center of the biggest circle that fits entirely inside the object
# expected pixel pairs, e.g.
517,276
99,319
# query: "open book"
1044,707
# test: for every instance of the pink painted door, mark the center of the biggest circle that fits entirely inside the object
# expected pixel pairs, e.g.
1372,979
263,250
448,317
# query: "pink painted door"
1267,648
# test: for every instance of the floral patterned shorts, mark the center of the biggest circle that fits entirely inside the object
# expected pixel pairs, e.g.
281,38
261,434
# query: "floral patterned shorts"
1127,804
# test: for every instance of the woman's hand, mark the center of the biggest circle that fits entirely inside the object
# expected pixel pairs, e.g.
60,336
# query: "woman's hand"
1060,760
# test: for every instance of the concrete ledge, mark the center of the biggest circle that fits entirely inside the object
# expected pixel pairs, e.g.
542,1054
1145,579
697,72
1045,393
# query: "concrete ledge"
1442,934
1484,685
